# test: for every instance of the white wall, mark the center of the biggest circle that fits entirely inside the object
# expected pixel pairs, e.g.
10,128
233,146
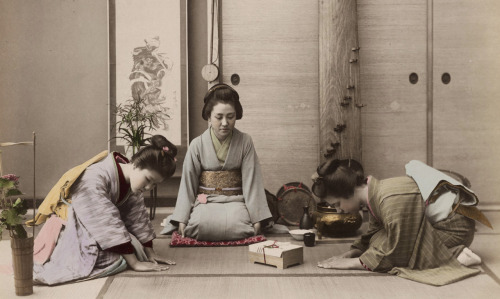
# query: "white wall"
53,80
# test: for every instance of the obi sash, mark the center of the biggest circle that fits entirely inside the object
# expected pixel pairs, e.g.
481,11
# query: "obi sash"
226,182
443,194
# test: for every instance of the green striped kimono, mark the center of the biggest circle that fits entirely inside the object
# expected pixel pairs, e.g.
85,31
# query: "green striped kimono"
401,241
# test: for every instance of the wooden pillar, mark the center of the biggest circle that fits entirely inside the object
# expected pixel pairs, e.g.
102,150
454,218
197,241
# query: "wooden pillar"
340,116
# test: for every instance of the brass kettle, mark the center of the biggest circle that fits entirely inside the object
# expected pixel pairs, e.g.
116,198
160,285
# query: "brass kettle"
329,222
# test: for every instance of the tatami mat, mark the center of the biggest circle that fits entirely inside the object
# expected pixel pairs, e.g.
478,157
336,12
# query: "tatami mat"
225,272
275,287
234,260
488,248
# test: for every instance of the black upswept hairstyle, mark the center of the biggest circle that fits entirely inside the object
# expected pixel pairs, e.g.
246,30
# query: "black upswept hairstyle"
338,178
221,93
158,156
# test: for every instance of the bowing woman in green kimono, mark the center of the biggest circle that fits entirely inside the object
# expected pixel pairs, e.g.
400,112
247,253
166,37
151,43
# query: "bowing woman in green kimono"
400,240
221,194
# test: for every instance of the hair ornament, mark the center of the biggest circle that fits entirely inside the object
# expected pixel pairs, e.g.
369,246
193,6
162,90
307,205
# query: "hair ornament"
318,179
165,149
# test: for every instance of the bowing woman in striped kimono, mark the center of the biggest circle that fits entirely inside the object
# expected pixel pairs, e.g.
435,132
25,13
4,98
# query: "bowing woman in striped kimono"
400,240
108,226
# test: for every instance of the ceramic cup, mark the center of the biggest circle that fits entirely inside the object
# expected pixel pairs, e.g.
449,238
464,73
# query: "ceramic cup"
309,239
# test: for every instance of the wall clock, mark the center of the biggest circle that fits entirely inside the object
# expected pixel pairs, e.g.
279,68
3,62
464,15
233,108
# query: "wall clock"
210,72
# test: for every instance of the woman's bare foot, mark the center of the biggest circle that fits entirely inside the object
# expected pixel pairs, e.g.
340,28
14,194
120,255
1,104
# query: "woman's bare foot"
468,258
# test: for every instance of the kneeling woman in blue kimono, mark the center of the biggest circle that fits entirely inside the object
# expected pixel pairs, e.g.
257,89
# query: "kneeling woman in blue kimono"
107,225
221,195
400,239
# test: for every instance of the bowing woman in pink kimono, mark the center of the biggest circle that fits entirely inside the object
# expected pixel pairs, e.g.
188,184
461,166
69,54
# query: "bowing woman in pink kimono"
221,196
107,225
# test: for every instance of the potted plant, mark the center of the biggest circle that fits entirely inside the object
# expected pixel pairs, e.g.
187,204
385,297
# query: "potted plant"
135,118
12,219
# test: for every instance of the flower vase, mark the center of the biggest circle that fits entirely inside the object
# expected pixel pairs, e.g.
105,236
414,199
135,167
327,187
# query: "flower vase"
22,264
306,221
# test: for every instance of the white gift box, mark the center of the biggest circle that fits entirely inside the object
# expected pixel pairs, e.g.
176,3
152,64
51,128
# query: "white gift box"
279,254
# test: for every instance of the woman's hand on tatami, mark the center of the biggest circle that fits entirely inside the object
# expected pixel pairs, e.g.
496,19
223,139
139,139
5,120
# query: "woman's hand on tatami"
148,267
338,262
139,266
182,228
153,257
256,227
347,260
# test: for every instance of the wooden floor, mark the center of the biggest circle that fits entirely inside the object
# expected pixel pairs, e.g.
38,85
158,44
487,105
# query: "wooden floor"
225,272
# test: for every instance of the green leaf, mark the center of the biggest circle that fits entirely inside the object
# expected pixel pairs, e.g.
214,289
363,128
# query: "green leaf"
136,116
18,202
11,217
19,207
13,192
6,184
127,132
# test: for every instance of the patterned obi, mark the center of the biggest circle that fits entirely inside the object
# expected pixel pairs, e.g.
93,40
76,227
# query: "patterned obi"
227,182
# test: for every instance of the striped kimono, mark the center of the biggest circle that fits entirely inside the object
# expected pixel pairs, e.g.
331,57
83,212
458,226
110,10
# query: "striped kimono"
95,223
401,241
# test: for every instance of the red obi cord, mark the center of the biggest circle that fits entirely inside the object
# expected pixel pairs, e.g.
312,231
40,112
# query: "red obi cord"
274,245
